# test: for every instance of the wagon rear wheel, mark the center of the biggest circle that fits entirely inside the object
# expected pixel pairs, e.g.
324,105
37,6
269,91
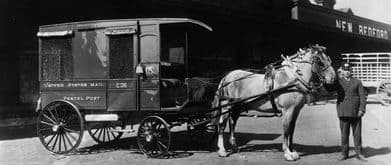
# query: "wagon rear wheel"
384,92
103,132
154,136
60,127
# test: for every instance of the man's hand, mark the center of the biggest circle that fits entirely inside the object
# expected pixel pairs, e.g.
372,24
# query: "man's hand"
360,113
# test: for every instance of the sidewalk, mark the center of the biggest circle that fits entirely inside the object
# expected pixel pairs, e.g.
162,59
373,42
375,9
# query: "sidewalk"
17,115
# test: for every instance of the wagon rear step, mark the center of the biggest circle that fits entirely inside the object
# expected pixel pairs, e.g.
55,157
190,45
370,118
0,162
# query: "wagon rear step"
123,130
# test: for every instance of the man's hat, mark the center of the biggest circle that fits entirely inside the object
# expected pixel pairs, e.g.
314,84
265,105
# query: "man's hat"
347,66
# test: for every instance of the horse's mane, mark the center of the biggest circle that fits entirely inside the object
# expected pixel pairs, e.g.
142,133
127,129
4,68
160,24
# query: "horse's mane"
202,90
204,94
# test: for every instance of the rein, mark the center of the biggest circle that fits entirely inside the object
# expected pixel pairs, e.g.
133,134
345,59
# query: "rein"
307,87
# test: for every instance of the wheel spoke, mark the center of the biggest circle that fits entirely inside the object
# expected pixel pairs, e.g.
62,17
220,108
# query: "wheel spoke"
47,123
96,131
69,141
75,139
51,139
104,134
65,145
52,115
59,142
161,144
100,133
55,142
58,113
159,147
71,130
108,134
42,129
51,120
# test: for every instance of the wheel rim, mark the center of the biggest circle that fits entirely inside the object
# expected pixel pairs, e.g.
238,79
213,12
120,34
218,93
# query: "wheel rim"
60,127
154,137
102,132
384,92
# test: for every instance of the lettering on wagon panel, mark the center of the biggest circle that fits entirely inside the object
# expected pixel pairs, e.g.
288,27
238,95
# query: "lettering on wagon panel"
53,85
121,85
97,84
75,85
82,98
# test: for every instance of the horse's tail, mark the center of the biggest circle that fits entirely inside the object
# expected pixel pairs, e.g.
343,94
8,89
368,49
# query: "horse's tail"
216,101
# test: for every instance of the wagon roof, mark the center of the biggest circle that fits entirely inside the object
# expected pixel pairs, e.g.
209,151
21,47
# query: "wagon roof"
118,23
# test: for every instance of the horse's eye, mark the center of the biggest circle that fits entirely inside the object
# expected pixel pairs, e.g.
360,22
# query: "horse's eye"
320,63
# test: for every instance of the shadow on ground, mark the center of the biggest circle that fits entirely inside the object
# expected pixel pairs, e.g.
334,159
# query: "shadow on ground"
183,146
307,150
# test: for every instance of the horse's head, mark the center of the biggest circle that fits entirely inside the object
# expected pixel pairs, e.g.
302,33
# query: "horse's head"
322,71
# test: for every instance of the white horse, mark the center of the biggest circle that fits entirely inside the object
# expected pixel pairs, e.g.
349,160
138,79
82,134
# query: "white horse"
302,68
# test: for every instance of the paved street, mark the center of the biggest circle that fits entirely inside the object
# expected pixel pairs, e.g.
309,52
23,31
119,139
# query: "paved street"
316,138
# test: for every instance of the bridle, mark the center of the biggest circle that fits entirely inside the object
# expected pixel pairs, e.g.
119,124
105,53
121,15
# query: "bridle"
315,61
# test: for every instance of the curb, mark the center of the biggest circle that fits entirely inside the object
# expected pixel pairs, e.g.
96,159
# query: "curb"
18,121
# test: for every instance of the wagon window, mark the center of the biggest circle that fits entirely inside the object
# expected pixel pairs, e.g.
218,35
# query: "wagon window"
148,48
56,58
90,53
121,56
173,44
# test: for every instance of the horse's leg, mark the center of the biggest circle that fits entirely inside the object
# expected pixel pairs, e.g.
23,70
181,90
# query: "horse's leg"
221,126
232,124
287,124
291,132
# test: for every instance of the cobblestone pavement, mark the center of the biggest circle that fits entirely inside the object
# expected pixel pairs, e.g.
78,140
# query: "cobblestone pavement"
316,139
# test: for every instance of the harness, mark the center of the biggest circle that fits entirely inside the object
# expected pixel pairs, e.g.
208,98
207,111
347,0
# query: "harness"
298,80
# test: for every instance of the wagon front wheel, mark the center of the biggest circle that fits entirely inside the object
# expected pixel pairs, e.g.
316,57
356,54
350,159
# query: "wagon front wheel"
154,137
384,92
202,134
60,127
105,131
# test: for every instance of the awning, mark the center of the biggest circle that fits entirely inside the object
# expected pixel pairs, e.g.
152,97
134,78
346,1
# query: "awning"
55,33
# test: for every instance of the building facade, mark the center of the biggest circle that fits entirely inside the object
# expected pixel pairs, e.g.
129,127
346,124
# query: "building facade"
247,33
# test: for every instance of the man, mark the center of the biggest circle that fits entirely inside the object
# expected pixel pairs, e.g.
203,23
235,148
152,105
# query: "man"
351,104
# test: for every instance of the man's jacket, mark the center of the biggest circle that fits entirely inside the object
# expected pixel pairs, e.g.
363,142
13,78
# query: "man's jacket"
351,97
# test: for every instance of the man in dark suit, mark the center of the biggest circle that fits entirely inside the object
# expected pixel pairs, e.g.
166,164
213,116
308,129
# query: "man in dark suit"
351,104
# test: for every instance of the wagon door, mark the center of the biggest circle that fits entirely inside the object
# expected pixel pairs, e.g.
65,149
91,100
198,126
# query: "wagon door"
122,83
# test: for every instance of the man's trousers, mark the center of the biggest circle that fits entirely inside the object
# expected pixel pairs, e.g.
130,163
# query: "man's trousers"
345,124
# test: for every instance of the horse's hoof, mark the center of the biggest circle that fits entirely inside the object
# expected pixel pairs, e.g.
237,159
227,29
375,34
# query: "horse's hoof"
295,155
222,153
288,157
235,149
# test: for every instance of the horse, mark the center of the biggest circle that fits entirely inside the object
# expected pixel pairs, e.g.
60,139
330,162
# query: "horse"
307,67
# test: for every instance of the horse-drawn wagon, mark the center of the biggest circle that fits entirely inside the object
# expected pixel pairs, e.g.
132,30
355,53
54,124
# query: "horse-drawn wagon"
374,70
101,76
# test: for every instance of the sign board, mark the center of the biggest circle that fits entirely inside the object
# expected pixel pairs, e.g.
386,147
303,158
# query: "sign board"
341,21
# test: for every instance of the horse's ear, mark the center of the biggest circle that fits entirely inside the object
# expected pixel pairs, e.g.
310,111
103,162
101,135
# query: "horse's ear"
285,58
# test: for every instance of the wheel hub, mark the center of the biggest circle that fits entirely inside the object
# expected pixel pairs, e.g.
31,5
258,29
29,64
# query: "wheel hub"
149,138
57,127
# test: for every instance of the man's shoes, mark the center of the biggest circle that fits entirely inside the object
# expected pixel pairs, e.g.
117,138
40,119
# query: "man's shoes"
342,157
361,157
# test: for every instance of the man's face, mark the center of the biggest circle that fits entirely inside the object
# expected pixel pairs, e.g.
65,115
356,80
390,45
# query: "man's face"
347,73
